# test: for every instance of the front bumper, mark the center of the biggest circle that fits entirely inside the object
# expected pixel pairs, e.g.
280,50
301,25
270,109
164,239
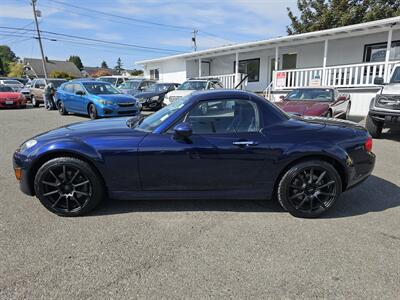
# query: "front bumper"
117,111
21,162
384,115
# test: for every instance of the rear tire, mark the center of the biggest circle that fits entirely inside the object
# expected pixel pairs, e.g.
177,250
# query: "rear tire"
374,127
92,112
68,186
34,101
309,188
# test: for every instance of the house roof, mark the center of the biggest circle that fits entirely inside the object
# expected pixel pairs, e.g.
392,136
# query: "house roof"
334,33
91,70
52,65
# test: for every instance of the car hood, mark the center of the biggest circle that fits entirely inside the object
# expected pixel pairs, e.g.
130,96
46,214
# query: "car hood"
147,94
306,107
117,98
180,93
391,89
9,95
129,91
86,129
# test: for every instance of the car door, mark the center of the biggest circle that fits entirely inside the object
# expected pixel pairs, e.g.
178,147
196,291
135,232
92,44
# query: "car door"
79,98
226,150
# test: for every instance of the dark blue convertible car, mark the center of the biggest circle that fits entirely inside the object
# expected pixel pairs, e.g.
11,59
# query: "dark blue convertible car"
214,144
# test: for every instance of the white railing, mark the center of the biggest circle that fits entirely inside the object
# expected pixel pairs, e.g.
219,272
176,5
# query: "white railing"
355,75
268,91
229,81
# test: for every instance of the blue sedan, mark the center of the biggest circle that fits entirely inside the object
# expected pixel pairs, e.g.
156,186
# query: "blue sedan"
94,98
213,144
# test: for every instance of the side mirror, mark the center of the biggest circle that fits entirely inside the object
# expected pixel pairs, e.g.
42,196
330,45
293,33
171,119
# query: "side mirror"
183,130
80,93
344,97
282,97
379,81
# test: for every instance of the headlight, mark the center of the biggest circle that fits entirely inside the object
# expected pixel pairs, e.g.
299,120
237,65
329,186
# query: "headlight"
154,98
141,100
105,102
28,144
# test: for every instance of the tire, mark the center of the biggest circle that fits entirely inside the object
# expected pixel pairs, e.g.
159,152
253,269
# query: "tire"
61,108
34,101
309,199
68,186
92,112
374,127
329,114
347,114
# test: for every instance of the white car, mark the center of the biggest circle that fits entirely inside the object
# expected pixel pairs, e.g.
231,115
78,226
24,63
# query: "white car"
115,80
14,84
191,86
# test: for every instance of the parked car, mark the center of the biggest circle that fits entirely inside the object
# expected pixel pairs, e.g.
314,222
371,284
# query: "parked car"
95,99
115,80
384,108
191,86
134,86
153,96
37,89
24,81
240,147
316,101
14,84
10,98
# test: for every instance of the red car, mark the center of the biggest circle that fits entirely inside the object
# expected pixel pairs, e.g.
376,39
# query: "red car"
11,99
323,102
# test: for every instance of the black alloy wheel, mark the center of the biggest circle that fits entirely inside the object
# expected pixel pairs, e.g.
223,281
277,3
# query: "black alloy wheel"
68,186
92,112
309,189
61,108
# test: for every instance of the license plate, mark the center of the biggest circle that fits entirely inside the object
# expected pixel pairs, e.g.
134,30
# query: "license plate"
9,102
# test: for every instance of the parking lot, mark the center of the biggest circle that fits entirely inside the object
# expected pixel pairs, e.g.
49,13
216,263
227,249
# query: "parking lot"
198,249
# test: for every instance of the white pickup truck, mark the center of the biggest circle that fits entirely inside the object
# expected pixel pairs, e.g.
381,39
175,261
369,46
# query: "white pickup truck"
385,106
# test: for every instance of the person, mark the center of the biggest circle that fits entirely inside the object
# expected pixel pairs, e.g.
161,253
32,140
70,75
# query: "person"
49,92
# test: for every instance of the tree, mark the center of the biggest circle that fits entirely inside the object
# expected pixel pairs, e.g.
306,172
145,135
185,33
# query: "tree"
104,65
101,73
118,67
326,14
137,72
76,60
60,74
15,69
6,57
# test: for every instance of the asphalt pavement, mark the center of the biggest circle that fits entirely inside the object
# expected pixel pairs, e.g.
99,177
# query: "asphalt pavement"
198,249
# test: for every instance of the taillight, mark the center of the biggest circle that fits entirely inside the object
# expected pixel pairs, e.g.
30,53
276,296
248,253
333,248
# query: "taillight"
368,144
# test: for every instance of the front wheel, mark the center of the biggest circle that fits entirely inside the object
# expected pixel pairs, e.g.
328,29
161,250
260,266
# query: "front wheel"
35,103
61,108
92,112
374,127
68,186
310,188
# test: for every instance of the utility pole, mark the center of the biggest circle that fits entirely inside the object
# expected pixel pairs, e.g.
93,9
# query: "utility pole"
194,39
35,12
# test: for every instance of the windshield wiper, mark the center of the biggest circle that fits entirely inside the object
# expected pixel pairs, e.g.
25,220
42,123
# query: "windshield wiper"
134,121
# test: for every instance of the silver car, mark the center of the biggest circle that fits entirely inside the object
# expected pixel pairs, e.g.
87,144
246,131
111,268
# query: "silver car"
14,84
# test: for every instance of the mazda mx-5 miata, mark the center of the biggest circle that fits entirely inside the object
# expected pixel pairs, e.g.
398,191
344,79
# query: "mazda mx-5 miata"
211,144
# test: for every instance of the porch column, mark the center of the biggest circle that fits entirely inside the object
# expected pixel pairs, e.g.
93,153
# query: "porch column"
199,67
237,79
324,63
389,45
276,64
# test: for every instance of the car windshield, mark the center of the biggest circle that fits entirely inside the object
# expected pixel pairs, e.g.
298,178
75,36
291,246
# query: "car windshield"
310,94
111,80
57,83
158,88
12,82
129,85
6,89
396,76
100,88
150,123
193,85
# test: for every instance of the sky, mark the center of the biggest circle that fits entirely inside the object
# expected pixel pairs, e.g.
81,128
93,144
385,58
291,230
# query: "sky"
170,29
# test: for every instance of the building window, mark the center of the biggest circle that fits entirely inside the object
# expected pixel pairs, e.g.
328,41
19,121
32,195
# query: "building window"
250,67
377,52
154,74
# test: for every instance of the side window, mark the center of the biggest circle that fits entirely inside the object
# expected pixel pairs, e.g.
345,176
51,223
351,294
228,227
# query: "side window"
119,81
69,88
224,116
171,88
78,87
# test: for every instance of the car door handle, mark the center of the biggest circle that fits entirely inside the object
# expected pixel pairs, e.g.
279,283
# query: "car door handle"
245,143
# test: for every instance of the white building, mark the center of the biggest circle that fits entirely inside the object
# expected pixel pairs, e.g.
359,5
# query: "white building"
348,57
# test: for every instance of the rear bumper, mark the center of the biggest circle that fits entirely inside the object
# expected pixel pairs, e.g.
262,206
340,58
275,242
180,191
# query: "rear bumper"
361,167
16,104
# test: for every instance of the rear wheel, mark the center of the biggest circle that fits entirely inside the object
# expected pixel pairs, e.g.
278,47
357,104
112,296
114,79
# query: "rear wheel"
68,186
61,108
310,188
347,115
92,112
35,103
374,127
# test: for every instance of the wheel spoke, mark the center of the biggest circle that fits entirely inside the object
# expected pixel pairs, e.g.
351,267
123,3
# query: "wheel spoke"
74,176
311,203
327,194
65,172
302,202
296,187
76,201
82,193
320,202
81,183
325,185
53,184
51,193
67,203
311,175
321,177
56,202
56,178
296,195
